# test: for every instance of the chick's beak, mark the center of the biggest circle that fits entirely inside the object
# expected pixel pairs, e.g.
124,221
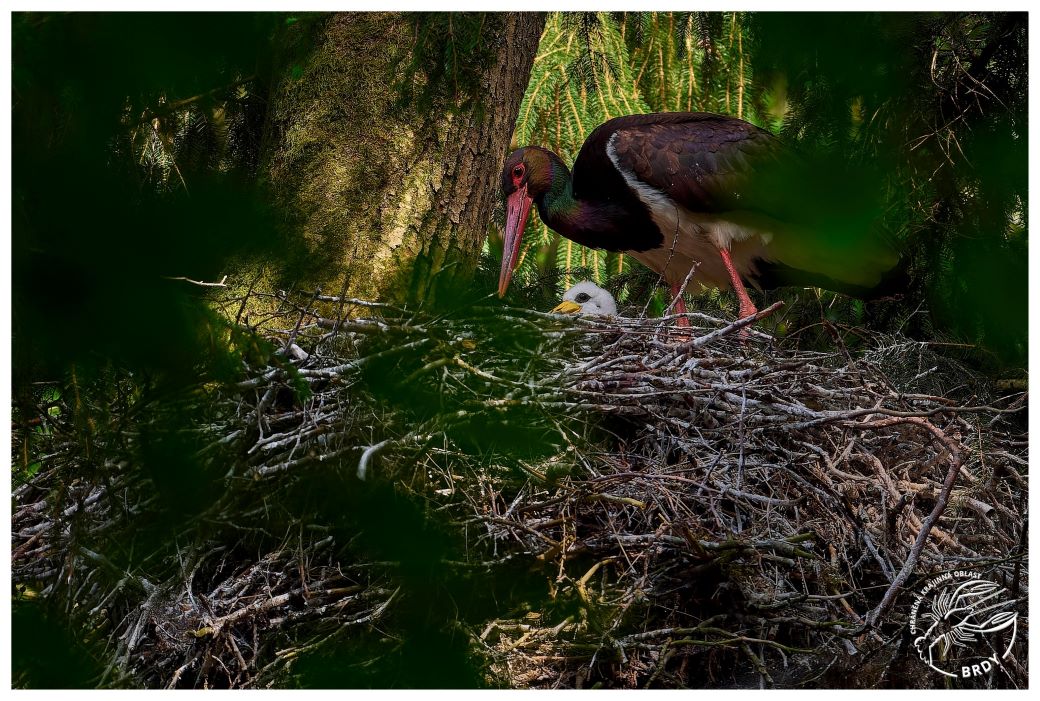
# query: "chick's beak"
566,307
518,206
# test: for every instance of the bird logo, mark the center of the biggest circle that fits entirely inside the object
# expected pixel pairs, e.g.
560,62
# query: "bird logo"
964,619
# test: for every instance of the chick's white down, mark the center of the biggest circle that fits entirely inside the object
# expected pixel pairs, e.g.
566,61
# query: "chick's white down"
592,299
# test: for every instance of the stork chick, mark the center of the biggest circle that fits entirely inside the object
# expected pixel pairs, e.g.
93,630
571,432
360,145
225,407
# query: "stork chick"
587,298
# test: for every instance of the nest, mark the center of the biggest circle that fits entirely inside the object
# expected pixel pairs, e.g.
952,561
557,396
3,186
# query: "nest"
703,506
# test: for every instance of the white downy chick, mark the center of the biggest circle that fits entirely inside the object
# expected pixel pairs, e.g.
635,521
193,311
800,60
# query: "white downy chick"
587,298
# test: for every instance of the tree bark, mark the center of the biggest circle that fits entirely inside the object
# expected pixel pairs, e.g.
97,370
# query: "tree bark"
383,195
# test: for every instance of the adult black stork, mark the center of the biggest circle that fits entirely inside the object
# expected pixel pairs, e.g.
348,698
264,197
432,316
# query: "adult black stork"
681,189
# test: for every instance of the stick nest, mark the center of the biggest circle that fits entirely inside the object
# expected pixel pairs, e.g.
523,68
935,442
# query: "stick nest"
703,507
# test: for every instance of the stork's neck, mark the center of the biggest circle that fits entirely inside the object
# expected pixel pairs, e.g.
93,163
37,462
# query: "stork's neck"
558,204
562,211
605,213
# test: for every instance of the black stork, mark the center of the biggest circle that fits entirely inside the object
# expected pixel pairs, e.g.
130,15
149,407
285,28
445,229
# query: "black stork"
681,189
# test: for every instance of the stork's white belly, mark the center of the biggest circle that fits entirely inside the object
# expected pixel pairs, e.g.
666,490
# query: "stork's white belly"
695,239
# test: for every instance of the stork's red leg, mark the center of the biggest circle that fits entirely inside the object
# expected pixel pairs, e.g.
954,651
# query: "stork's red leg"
747,307
679,307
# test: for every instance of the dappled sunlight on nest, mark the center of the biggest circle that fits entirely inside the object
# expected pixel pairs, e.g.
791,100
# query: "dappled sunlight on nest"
700,507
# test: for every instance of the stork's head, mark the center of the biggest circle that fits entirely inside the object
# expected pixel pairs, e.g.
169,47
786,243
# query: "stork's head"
529,173
587,298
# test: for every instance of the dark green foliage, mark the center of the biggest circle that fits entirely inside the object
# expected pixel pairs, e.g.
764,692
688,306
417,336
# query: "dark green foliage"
831,59
46,654
94,245
933,107
100,325
437,592
589,32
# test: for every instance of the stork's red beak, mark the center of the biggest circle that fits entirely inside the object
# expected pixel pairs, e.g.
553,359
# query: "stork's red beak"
518,206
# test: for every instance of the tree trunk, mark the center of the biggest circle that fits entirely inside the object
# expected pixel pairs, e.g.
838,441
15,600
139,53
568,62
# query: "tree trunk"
382,193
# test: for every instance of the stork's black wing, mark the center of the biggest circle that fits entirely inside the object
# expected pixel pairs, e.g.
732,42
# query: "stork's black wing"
703,162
